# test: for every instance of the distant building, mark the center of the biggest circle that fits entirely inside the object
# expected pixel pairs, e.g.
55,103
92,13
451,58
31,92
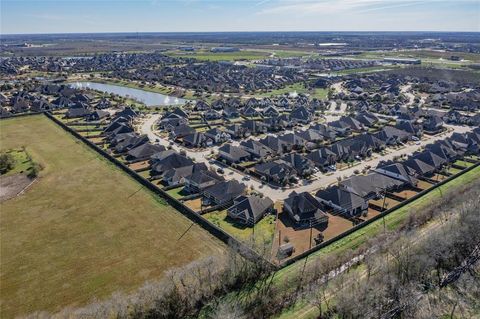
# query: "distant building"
224,49
402,60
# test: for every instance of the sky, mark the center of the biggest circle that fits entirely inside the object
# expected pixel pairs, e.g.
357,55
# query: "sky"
75,16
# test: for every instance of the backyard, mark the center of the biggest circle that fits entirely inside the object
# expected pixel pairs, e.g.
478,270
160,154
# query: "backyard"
85,229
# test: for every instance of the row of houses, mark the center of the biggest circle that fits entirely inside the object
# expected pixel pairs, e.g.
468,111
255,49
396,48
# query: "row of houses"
124,141
350,197
50,97
279,159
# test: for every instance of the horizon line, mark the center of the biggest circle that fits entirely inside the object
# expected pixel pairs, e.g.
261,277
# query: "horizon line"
258,31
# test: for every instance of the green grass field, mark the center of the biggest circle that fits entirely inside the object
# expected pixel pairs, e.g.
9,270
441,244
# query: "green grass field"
23,163
85,229
263,232
299,88
222,56
423,54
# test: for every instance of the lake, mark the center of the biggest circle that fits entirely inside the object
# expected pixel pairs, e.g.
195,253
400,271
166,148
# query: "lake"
146,97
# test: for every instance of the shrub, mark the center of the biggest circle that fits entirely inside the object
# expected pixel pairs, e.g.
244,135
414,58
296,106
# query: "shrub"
7,162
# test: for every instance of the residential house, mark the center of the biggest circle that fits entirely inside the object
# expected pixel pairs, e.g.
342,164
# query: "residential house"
302,165
256,149
123,142
420,167
143,151
367,119
301,115
433,125
270,111
341,128
323,158
76,112
413,129
212,115
255,127
237,131
223,193
177,175
275,144
248,210
340,201
164,161
181,131
293,140
392,136
371,186
217,136
201,180
304,210
249,111
233,154
398,171
354,125
197,139
278,171
97,115
431,159
230,112
328,133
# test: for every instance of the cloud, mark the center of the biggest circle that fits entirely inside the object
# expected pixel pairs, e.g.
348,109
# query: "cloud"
308,7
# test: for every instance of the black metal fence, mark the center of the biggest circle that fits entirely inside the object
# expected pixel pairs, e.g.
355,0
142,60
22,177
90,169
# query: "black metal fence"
240,247
237,245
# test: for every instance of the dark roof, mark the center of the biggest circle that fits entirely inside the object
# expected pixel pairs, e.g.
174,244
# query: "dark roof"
256,148
250,209
166,160
277,169
368,185
341,198
145,150
399,169
430,158
226,190
419,166
175,175
204,176
235,152
305,207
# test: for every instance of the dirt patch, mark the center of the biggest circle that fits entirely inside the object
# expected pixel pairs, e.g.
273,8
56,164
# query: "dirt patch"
194,204
139,165
11,186
300,238
406,193
424,185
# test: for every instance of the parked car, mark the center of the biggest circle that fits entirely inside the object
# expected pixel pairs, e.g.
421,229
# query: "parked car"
220,170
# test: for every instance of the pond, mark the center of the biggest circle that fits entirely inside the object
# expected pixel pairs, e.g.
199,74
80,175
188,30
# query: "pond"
146,97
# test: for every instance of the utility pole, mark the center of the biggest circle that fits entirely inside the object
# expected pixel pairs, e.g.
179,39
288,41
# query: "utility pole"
383,207
311,230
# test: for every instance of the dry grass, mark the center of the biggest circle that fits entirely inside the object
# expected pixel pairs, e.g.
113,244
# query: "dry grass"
85,229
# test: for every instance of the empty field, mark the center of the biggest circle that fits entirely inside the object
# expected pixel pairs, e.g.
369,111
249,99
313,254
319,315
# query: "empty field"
223,56
84,229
